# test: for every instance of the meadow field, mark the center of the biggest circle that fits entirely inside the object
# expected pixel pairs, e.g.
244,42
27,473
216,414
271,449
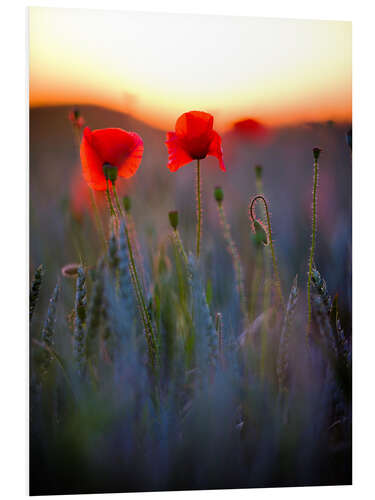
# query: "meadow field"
154,368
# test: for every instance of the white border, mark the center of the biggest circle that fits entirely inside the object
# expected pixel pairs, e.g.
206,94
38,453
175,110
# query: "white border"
14,253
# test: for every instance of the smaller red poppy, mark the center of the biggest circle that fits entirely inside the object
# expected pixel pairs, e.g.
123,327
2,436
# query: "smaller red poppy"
193,139
76,118
114,146
251,129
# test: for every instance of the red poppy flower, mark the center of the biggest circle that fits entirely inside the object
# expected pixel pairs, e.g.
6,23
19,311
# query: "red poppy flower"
194,139
251,129
76,118
113,146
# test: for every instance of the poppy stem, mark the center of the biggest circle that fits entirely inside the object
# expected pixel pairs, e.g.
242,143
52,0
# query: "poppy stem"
274,261
117,201
109,199
199,208
313,240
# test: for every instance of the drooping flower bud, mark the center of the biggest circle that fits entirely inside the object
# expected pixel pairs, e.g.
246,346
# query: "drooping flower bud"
126,201
219,194
173,219
260,232
110,172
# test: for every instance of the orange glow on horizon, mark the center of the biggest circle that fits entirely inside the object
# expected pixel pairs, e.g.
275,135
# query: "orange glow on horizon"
157,66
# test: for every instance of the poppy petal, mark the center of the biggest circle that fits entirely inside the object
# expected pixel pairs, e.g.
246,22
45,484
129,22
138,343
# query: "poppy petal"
216,149
194,124
130,164
91,163
177,155
113,145
194,130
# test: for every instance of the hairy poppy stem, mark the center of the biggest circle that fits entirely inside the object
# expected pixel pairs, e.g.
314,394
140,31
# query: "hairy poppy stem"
316,152
261,264
274,262
109,199
199,209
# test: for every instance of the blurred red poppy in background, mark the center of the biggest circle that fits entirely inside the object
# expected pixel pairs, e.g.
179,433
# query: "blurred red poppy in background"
76,118
251,129
79,196
114,146
194,139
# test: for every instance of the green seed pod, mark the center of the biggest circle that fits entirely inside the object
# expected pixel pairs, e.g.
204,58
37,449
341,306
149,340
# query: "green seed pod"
110,172
173,219
219,194
258,172
126,201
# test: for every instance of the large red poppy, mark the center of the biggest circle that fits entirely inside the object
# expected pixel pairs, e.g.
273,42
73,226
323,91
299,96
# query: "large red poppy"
194,139
115,146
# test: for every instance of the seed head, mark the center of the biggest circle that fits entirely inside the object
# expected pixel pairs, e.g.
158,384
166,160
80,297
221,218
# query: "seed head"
219,194
258,172
173,219
126,201
110,172
316,153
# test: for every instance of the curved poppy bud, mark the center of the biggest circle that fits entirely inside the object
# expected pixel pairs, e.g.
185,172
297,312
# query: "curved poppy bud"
260,232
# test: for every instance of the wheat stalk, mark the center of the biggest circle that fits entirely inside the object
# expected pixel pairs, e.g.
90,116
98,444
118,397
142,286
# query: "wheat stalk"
35,289
283,355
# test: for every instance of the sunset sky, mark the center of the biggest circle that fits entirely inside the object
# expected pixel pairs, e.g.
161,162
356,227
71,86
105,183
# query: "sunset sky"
156,66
